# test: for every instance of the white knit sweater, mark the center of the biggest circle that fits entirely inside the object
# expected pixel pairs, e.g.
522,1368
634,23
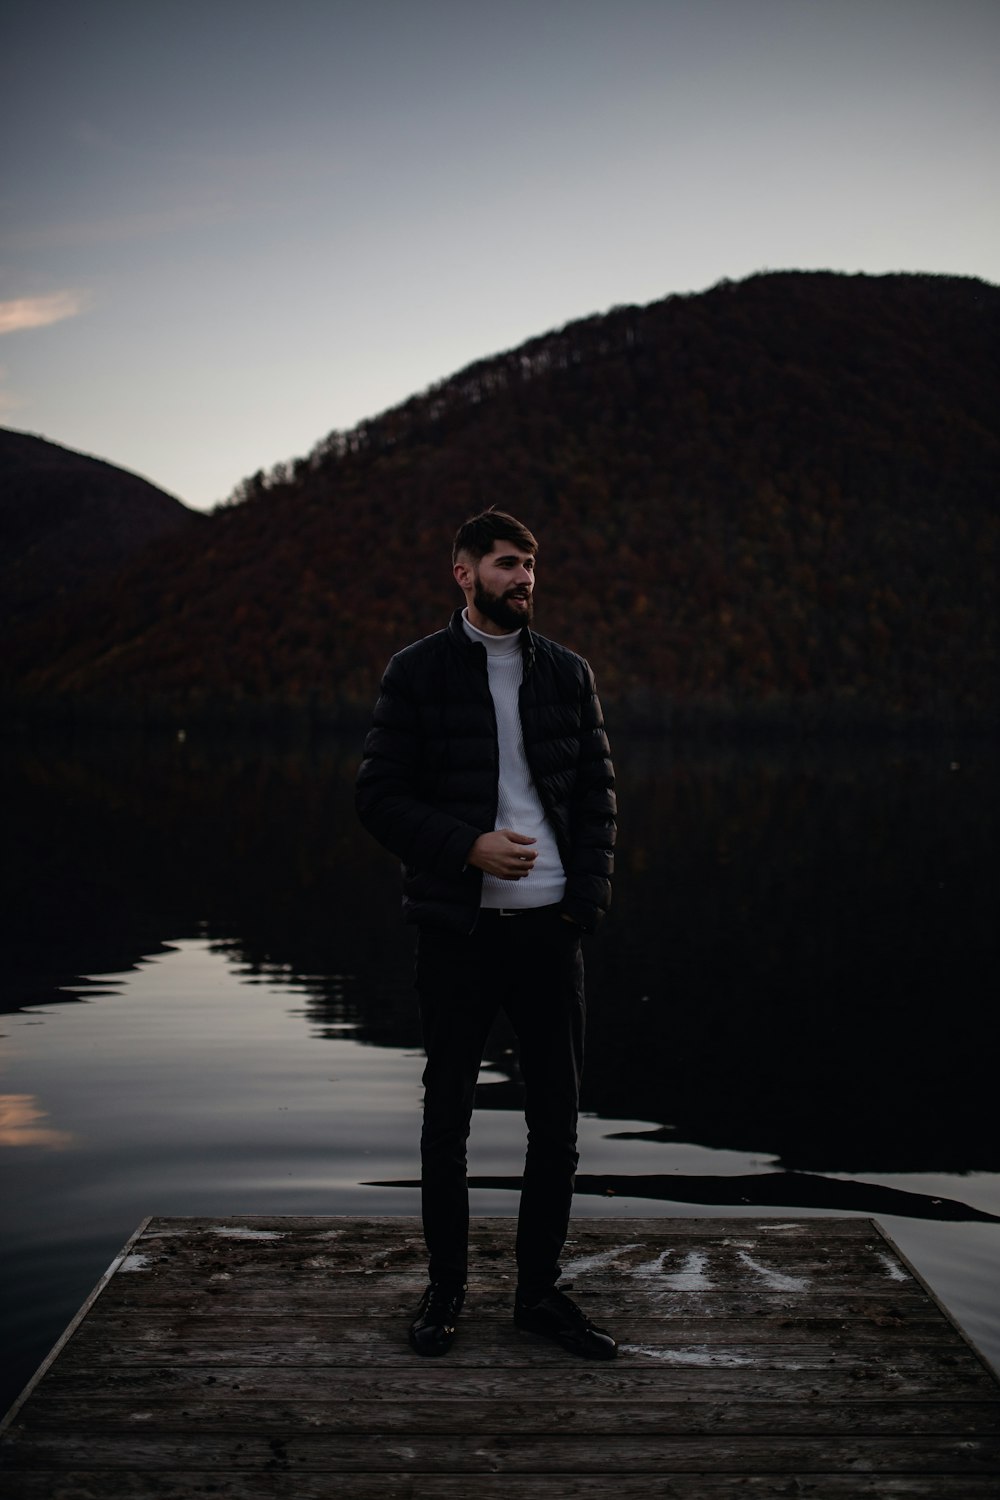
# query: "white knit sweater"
519,806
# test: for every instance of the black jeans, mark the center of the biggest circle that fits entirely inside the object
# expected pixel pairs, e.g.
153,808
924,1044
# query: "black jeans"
531,967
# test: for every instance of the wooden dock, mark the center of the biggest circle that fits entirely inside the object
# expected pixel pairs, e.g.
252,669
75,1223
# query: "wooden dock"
267,1357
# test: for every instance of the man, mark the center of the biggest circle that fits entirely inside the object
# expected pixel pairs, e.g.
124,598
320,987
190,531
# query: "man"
487,772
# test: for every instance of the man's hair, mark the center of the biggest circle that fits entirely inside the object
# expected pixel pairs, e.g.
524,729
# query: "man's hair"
477,535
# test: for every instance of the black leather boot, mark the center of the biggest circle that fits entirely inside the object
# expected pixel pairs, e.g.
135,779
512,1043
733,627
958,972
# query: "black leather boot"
433,1330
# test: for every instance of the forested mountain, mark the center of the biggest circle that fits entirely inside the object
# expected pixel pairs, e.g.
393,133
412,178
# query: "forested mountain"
67,520
776,499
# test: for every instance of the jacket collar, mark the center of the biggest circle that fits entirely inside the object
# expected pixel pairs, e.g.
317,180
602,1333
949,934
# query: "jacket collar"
456,632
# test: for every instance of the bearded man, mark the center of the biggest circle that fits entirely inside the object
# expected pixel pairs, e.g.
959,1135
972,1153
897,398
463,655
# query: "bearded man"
487,772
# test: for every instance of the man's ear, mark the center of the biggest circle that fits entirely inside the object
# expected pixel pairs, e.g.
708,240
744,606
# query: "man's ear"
464,576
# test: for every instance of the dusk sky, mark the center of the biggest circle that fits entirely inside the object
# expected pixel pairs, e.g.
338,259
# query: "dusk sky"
228,228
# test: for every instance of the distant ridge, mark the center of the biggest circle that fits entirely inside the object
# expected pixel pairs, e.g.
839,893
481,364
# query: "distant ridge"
775,501
67,519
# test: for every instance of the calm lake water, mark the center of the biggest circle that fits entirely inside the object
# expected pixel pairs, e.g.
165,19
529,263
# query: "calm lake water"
208,1005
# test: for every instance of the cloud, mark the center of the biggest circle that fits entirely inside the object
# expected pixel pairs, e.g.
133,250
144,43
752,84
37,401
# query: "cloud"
38,312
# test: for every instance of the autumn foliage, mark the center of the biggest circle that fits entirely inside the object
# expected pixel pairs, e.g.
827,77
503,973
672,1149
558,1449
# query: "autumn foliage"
776,501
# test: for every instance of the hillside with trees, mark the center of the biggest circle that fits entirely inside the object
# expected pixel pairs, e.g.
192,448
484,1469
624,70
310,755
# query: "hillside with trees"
775,501
67,520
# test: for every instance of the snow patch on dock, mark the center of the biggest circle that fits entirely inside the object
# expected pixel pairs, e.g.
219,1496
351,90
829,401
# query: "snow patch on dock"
248,1234
652,1267
595,1262
691,1277
703,1357
135,1262
892,1268
776,1281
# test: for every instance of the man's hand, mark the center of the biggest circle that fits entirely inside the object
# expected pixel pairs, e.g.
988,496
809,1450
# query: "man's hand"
503,853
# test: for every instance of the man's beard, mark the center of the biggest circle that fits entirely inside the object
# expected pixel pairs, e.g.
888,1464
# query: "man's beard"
496,608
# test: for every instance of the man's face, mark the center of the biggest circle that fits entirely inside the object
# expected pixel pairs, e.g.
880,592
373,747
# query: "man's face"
502,584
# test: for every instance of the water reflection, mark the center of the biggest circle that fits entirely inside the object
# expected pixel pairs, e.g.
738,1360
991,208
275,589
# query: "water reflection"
784,1190
797,963
20,1124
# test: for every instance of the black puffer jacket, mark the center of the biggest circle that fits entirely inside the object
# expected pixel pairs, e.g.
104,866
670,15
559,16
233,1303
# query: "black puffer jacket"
427,787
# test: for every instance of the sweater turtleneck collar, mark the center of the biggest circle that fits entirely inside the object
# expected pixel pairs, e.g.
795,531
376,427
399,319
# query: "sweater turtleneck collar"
496,645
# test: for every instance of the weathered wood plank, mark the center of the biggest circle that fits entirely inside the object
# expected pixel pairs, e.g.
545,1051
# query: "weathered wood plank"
379,1243
370,1243
797,1362
928,1376
219,1484
501,1454
567,1414
278,1298
377,1339
500,1228
839,1275
372,1239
